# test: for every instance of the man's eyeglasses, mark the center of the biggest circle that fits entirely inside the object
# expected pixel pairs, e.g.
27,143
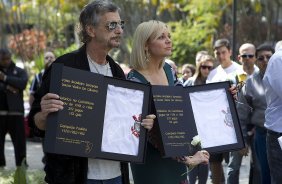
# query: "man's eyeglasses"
263,58
113,25
247,56
204,67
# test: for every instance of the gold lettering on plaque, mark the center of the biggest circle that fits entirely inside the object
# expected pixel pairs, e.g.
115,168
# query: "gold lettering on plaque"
74,130
80,85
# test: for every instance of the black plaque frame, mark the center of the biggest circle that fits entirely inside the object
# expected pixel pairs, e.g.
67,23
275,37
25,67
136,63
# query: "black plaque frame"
234,115
186,124
77,129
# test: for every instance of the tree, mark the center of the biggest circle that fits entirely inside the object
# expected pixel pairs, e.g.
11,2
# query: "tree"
52,17
195,23
198,29
257,22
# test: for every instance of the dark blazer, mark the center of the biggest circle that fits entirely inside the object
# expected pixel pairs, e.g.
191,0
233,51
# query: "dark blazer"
61,169
17,78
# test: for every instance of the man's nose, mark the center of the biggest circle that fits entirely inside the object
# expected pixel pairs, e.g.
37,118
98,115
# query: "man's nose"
119,29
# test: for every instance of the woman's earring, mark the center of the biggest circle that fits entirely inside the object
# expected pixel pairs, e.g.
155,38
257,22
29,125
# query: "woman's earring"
147,56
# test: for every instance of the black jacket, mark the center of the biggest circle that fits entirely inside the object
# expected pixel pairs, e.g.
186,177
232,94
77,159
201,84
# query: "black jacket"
17,78
61,169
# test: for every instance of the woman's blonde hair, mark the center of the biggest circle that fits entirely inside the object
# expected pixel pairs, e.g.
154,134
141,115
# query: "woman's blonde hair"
144,32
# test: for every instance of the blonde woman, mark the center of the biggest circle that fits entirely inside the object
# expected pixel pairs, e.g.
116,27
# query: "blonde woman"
151,45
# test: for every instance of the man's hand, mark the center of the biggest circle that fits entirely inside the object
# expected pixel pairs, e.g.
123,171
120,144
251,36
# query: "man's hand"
49,103
12,89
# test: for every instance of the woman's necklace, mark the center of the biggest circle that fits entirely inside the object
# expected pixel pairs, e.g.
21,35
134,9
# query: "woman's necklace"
94,65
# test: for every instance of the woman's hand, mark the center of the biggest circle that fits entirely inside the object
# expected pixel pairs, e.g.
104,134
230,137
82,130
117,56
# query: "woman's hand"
49,103
148,122
201,157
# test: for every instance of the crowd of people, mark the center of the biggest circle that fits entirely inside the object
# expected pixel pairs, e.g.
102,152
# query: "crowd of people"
255,86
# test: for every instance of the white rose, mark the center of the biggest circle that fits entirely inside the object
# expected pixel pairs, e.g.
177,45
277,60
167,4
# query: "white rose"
196,140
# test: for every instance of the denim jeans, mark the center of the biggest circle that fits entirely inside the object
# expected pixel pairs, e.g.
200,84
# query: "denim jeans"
274,156
233,169
255,173
116,180
260,147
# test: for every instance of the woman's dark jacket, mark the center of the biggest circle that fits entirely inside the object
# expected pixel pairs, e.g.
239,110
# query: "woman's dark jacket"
62,169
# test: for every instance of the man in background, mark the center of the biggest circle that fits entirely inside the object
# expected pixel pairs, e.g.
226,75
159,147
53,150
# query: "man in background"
49,58
247,57
225,71
13,81
272,81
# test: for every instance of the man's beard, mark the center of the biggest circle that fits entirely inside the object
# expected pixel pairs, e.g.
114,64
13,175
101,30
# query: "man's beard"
116,40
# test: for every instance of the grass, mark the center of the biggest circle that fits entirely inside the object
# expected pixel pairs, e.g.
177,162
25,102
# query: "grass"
32,176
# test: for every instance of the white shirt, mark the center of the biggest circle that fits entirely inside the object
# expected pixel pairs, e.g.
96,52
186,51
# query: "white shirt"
119,132
99,169
273,89
217,116
220,74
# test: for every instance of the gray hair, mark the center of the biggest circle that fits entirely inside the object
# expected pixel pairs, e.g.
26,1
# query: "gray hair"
90,15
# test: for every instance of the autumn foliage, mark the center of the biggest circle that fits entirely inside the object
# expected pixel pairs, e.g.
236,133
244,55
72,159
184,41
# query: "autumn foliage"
28,44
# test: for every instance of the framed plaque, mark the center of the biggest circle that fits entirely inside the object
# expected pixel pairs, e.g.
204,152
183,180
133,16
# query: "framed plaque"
206,111
172,111
101,116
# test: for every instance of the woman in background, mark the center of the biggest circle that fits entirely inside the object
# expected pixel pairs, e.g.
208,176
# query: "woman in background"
203,68
188,70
